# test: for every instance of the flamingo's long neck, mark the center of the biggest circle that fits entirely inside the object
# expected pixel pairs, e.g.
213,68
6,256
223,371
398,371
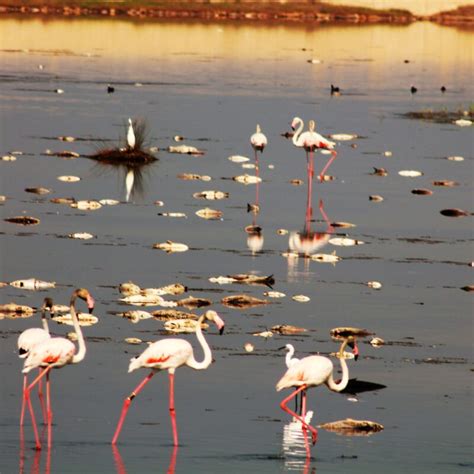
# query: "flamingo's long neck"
44,320
338,387
206,362
298,131
80,354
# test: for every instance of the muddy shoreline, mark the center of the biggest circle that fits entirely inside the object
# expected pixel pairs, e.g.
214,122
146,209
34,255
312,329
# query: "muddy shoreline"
316,14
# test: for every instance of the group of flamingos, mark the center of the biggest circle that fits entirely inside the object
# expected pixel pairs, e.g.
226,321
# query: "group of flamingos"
44,352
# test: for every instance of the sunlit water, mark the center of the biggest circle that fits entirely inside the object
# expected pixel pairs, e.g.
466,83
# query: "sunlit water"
215,83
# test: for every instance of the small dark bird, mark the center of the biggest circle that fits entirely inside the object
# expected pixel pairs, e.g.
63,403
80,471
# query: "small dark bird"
406,61
110,89
413,90
443,89
335,90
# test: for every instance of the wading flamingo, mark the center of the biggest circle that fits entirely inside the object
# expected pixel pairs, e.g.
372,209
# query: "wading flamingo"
312,371
258,141
56,352
169,354
130,135
26,341
311,141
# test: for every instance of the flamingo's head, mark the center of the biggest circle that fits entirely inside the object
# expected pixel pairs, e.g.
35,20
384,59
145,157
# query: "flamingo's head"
87,297
295,122
312,125
355,349
213,316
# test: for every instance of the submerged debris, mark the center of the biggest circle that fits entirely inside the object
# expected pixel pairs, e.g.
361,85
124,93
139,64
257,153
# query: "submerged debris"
23,220
350,427
243,301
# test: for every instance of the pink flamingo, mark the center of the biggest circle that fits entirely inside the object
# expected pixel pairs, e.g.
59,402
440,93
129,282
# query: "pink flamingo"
258,141
308,372
26,341
56,352
311,141
169,354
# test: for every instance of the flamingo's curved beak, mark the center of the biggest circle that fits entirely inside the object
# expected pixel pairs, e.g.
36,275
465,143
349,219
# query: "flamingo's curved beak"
90,303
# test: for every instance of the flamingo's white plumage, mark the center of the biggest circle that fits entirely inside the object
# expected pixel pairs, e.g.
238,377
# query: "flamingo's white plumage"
169,354
258,141
130,135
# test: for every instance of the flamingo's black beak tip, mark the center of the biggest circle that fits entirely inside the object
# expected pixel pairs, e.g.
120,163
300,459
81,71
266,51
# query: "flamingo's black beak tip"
91,309
221,331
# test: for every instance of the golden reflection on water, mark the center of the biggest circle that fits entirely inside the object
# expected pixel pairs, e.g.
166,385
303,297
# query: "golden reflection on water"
117,38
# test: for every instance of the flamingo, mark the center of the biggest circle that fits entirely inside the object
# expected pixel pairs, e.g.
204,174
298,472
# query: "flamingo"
130,135
26,341
308,372
258,141
56,352
311,141
169,354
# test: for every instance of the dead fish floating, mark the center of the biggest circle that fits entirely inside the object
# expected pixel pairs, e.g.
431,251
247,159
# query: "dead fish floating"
185,150
86,205
274,294
375,198
172,314
243,301
455,158
410,173
376,285
59,308
463,122
174,289
422,191
40,190
211,195
173,214
193,177
183,326
8,158
85,319
109,202
60,200
23,220
33,284
14,309
244,278
350,427
147,300
343,136
129,288
468,288
66,139
296,182
209,214
170,247
345,242
326,257
192,302
133,340
264,334
81,236
238,159
135,316
327,177
288,329
247,179
341,333
379,172
446,183
454,213
65,154
301,298
69,179
343,225
282,231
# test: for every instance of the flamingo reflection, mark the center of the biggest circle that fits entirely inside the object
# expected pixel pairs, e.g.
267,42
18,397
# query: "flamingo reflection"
295,444
120,465
254,231
36,462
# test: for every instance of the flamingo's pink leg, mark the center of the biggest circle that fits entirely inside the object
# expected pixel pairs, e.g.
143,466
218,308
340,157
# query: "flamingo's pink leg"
33,420
172,466
126,405
41,399
172,410
23,402
49,412
118,461
334,155
283,406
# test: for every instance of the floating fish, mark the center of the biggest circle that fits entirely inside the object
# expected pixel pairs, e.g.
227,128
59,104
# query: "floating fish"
254,208
296,182
136,316
422,192
248,166
66,154
327,177
463,122
455,158
238,159
81,236
379,172
410,173
59,308
194,177
454,213
86,205
344,225
345,355
211,195
294,255
249,347
23,220
343,136
66,139
192,302
377,341
274,294
345,242
85,319
61,200
69,179
129,288
375,198
326,257
133,340
301,298
350,427
183,325
185,150
282,231
174,289
287,329
376,285
348,332
8,158
172,314
242,301
265,334
159,203
109,202
170,246
18,309
221,280
446,183
2,198
38,190
147,300
209,214
247,179
172,214
33,284
387,153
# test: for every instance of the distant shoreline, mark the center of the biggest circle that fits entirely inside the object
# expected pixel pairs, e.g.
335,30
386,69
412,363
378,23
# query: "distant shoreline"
319,13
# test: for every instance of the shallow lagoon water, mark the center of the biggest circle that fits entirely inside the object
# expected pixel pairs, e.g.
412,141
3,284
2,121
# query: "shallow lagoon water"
212,84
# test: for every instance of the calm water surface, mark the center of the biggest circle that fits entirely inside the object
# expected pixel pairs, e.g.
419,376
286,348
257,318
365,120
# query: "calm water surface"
212,84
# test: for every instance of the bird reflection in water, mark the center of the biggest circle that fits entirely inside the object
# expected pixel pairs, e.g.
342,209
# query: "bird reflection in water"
36,462
120,466
296,445
254,231
131,158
